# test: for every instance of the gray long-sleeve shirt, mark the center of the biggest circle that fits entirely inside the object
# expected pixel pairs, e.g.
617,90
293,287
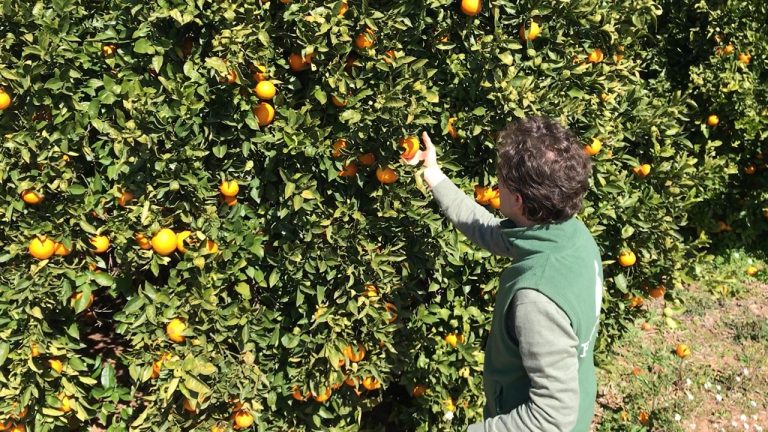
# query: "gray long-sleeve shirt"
551,363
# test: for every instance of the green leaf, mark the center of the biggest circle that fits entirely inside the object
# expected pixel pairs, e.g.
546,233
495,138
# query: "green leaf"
103,279
143,46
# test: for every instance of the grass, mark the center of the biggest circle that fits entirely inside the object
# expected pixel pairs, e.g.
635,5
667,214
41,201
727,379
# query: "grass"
723,385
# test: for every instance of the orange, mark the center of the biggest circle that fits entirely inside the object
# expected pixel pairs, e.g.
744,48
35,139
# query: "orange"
243,419
682,350
419,390
323,397
729,49
174,330
531,34
367,159
164,242
299,63
451,129
750,169
452,339
713,120
364,40
265,90
338,102
371,290
34,351
229,188
594,148
392,311
646,326
142,241
745,58
100,243
636,302
337,146
627,258
56,365
78,295
218,428
449,404
156,366
265,113
471,7
343,9
657,292
642,170
481,196
595,56
5,100
230,201
389,56
42,247
371,383
495,198
17,428
752,270
386,175
180,237
211,246
348,170
411,146
297,394
125,198
643,417
354,355
189,407
31,197
108,50
259,73
65,406
231,77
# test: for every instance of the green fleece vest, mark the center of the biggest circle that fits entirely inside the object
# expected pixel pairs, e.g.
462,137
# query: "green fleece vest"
562,262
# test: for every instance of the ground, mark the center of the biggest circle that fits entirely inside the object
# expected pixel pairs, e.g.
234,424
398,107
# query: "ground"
722,386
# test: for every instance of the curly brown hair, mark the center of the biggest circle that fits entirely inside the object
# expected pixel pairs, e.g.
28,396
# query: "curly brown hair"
543,161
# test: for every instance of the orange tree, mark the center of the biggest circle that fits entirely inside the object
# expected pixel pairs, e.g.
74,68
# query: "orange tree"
207,224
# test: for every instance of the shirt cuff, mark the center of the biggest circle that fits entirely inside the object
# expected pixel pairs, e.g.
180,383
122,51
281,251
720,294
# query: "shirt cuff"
433,176
476,427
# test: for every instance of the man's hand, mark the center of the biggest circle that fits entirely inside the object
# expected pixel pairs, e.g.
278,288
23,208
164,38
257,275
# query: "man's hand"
432,172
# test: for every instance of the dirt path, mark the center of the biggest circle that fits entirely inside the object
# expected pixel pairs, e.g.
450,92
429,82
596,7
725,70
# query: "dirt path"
722,386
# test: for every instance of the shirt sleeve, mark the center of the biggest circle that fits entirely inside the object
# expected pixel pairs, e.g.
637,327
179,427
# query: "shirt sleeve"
478,224
548,346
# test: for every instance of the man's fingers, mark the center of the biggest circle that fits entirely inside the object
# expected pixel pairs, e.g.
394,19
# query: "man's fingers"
426,139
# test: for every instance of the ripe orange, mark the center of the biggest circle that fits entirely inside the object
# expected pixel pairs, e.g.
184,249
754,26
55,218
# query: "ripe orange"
125,198
643,417
729,49
42,247
243,419
452,339
142,241
371,383
682,350
56,365
5,100
100,243
750,169
299,63
348,170
229,188
411,146
627,258
636,302
65,406
34,350
211,246
495,197
156,366
389,56
189,407
323,397
343,9
713,120
259,72
174,330
386,175
31,197
392,310
471,7
595,56
230,201
745,58
338,102
594,148
265,113
265,90
367,159
645,326
419,390
657,292
180,237
451,129
337,146
449,404
164,242
364,40
218,428
531,34
354,355
642,170
231,77
371,290
752,270
108,50
297,394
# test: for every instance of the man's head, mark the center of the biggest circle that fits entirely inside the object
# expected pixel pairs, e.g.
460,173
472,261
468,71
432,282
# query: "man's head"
543,171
